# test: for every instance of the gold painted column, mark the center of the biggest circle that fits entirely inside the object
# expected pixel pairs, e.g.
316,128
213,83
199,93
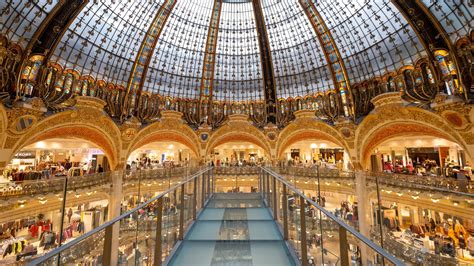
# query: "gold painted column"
115,203
333,57
363,208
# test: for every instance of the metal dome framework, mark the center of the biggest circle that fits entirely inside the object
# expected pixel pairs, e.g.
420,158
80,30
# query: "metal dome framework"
211,58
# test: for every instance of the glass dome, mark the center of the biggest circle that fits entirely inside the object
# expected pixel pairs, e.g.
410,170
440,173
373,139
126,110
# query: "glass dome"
373,38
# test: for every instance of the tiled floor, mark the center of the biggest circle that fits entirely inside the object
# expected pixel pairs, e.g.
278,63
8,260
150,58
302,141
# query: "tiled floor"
234,229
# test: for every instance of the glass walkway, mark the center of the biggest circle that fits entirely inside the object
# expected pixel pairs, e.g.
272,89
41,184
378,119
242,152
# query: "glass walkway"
192,224
234,229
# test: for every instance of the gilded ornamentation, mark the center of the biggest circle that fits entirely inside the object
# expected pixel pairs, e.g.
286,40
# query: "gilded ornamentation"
389,121
346,132
170,128
454,119
37,104
440,98
387,98
237,128
84,122
129,133
14,114
308,128
10,142
87,120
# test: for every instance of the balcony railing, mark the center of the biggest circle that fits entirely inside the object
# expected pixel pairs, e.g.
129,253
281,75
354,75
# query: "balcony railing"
154,228
426,183
315,233
237,170
55,185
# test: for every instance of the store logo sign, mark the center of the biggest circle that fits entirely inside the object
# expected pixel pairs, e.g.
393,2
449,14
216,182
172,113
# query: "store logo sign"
25,155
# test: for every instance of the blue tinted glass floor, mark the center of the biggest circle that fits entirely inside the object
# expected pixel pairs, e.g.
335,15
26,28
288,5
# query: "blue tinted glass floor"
234,229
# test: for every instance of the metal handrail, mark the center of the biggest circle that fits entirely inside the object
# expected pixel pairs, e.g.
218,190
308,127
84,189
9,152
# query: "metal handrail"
435,182
396,182
341,223
112,221
53,185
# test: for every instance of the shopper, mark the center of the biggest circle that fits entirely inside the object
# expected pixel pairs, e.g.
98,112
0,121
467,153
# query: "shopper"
100,169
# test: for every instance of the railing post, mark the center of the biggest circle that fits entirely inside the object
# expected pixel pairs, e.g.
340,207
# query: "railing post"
195,197
213,181
208,181
285,213
203,189
275,199
267,177
343,247
108,243
115,204
158,244
181,214
304,245
363,209
262,177
236,182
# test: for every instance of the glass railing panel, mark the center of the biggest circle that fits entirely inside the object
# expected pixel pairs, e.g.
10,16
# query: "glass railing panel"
170,224
329,240
135,231
322,237
294,223
314,234
87,251
269,198
127,242
147,219
281,202
188,204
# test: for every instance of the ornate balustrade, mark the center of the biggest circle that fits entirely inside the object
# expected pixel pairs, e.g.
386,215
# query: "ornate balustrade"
431,183
17,190
312,172
245,170
37,188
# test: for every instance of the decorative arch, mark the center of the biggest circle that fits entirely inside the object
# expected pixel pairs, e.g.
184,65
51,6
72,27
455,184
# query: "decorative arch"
305,134
238,131
303,129
166,130
395,121
238,137
88,124
3,124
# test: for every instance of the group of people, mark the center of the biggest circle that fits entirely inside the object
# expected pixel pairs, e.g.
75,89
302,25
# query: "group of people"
295,162
148,163
428,168
47,170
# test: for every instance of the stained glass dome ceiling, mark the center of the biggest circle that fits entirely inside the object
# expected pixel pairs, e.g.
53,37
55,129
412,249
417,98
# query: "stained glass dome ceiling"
104,40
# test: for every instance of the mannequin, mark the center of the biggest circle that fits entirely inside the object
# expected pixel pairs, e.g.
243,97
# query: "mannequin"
470,244
451,232
461,233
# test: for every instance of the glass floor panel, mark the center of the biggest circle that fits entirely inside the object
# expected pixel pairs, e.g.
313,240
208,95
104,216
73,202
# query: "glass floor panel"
234,230
220,253
235,203
244,196
235,214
